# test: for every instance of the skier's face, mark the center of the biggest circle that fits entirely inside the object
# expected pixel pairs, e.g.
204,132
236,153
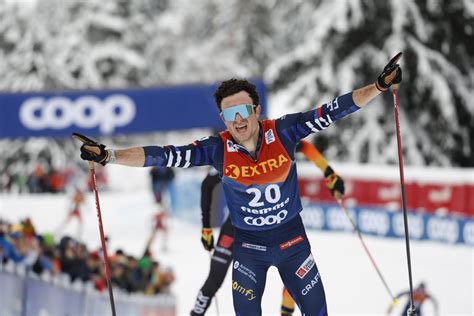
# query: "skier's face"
244,127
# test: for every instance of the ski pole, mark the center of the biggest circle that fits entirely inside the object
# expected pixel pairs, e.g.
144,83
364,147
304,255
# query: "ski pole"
356,229
412,309
102,237
101,231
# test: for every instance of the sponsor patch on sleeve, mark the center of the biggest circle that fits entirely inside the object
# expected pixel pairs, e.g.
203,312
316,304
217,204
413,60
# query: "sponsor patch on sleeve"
305,267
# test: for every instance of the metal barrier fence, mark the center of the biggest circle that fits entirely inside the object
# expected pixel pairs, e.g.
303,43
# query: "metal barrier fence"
25,294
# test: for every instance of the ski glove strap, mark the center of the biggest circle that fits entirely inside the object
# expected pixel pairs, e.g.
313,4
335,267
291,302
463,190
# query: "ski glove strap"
207,238
391,74
334,183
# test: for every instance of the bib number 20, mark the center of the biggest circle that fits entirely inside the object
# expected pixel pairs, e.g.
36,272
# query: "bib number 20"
272,195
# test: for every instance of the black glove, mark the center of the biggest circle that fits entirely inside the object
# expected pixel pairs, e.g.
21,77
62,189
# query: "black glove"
207,238
334,183
391,74
92,150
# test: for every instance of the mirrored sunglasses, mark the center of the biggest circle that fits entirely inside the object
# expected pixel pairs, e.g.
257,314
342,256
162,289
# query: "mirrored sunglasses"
244,111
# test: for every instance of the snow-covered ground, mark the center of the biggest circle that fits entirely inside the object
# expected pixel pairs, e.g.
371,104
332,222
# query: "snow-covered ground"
352,285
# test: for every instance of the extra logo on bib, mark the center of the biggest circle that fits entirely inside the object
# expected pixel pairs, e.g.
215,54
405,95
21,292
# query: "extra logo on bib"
268,166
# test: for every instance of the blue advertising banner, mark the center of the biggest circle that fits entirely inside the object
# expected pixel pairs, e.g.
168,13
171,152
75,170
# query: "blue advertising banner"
112,111
375,221
380,222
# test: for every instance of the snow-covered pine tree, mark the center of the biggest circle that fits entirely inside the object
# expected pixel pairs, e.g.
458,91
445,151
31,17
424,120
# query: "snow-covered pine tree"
343,44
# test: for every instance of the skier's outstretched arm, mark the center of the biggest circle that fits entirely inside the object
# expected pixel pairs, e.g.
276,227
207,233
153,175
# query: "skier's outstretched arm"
364,95
296,126
134,157
199,153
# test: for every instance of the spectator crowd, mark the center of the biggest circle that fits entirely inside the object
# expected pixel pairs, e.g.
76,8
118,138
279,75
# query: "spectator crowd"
21,244
43,178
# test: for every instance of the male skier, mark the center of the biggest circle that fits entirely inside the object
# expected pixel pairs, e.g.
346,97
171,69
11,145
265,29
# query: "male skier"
256,161
222,256
420,296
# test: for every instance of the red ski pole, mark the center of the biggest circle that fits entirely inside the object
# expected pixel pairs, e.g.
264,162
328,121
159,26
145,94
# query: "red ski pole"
102,236
101,230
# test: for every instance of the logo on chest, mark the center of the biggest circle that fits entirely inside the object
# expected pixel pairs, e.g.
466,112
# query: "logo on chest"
231,147
269,136
258,169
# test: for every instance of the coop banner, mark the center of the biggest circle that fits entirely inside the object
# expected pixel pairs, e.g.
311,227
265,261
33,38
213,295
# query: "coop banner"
109,112
383,223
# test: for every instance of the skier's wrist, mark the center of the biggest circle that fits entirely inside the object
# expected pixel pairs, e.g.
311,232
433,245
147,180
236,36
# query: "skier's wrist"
379,87
206,221
110,156
328,172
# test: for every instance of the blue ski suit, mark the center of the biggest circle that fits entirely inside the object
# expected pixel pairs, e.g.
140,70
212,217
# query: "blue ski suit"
264,204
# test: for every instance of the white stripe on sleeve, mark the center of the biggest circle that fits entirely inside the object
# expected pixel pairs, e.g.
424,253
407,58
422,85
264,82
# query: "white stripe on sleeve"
187,158
170,159
178,159
311,126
